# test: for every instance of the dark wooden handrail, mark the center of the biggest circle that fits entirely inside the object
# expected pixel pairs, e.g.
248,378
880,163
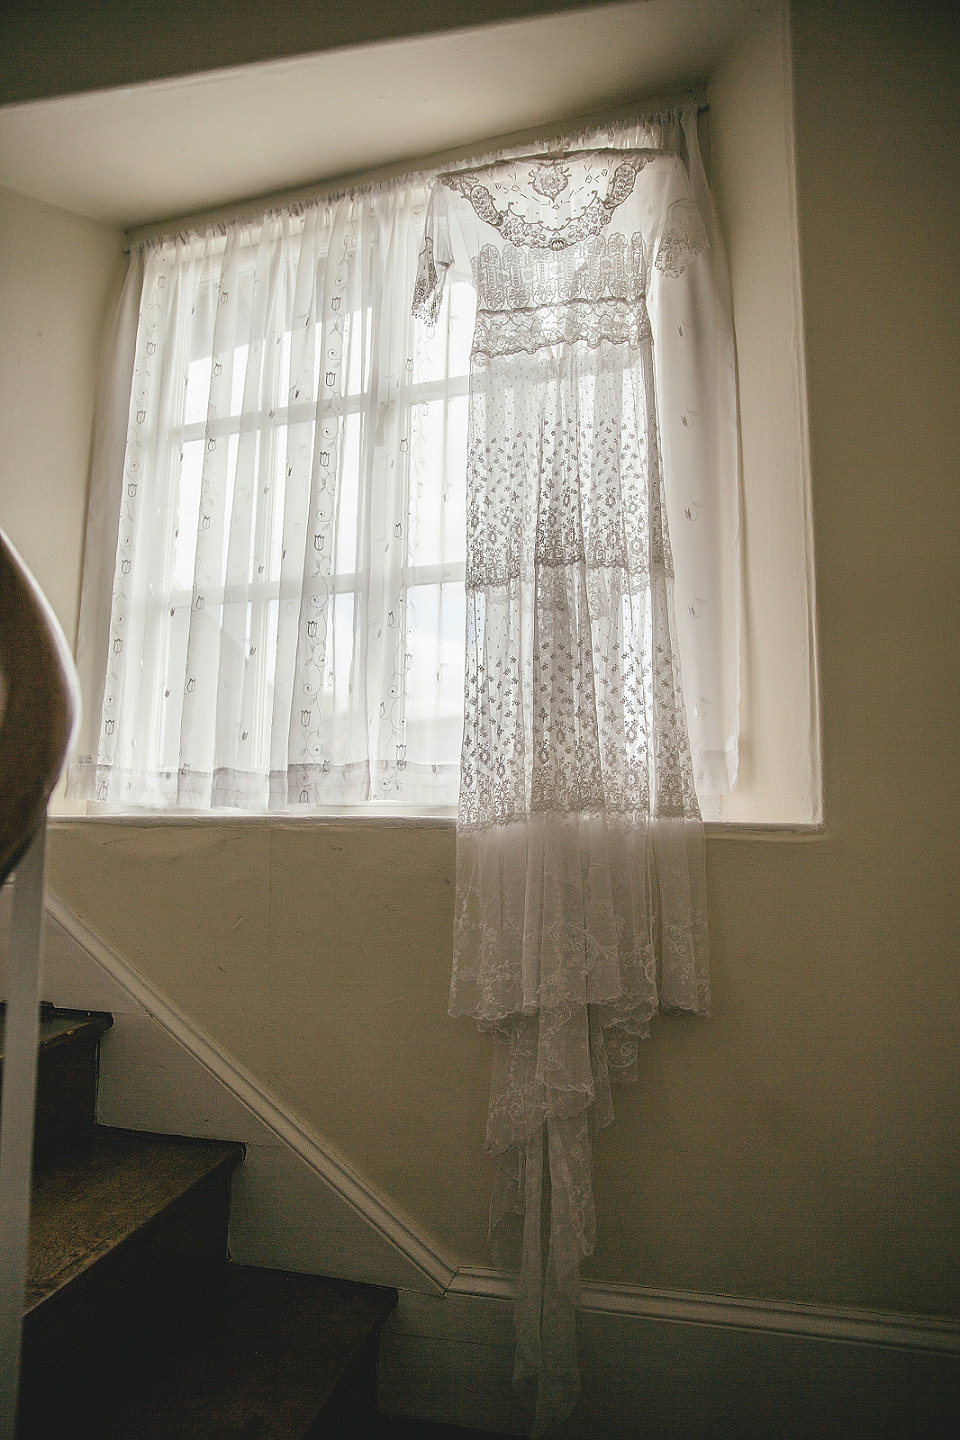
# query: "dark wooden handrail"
40,703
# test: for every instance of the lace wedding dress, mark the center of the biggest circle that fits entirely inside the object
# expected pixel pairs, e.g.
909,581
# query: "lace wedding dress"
580,908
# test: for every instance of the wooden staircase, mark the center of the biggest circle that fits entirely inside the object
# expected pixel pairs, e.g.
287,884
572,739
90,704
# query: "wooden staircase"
137,1324
117,1279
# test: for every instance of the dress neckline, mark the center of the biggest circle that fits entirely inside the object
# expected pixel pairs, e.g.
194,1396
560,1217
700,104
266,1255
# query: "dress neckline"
547,183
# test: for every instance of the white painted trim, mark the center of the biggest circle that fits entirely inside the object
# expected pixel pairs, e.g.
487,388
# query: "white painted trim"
395,1229
24,977
442,818
823,1322
803,415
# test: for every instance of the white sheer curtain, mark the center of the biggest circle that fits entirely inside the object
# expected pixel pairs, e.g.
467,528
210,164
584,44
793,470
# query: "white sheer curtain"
692,320
273,610
272,614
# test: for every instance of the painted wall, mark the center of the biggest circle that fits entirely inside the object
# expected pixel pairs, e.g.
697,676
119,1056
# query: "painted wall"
801,1144
57,274
318,956
64,46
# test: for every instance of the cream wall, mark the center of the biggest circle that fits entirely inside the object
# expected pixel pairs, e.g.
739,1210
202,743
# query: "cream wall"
801,1144
58,272
63,46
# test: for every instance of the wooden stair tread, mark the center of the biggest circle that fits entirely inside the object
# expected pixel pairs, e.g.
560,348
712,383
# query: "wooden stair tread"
87,1204
62,1027
262,1369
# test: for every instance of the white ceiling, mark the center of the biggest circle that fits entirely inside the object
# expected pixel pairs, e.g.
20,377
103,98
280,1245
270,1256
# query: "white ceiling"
174,147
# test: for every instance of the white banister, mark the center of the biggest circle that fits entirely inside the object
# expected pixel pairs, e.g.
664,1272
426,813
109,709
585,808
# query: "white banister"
24,971
38,709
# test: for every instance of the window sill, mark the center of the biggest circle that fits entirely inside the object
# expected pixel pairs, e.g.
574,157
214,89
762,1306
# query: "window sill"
439,819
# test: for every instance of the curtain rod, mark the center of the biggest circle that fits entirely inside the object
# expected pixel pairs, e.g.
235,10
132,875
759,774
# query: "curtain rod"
258,205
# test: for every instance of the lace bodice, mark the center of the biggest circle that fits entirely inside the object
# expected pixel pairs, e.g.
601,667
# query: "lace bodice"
559,248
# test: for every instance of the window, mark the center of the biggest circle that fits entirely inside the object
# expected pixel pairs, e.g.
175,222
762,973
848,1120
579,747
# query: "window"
287,615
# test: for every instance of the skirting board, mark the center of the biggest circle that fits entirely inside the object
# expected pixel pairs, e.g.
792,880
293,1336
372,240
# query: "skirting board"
673,1366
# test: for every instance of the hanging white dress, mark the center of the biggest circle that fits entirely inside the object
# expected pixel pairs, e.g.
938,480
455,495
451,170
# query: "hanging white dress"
580,910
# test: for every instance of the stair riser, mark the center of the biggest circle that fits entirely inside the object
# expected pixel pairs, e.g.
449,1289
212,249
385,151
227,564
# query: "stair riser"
85,1343
67,1072
66,1098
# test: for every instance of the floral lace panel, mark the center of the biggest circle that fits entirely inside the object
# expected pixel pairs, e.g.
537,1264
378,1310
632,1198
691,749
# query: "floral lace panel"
537,233
563,467
427,291
567,999
549,178
593,292
582,722
601,267
573,698
590,322
683,238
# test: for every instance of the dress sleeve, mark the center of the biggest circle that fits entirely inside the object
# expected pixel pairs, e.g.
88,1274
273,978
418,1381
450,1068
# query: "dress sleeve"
676,232
436,257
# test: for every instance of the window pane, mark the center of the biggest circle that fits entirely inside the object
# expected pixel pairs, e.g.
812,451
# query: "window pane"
238,379
447,351
356,352
348,496
437,529
434,688
198,390
188,506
